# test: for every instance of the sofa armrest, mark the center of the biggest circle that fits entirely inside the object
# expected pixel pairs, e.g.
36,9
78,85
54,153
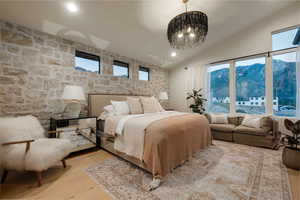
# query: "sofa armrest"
275,129
20,142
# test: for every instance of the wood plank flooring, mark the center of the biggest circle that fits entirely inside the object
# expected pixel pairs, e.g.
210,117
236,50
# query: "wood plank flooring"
73,183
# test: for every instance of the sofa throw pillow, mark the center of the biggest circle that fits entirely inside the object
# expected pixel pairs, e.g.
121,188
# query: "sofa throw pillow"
135,106
219,119
149,105
120,107
252,121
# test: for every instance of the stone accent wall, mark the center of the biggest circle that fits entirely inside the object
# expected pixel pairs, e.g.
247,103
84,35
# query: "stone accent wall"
35,67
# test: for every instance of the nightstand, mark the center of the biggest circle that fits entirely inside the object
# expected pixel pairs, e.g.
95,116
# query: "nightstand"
81,131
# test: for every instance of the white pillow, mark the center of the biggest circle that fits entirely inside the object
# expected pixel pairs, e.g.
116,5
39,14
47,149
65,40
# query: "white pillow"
159,107
109,109
120,107
251,121
105,115
219,119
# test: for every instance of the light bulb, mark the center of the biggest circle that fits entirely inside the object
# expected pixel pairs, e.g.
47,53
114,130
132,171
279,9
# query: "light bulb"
180,35
192,35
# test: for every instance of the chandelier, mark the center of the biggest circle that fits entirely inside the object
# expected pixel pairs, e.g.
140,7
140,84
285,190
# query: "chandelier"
188,29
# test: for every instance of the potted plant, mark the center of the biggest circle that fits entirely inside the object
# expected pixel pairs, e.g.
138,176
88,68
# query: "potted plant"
291,152
198,105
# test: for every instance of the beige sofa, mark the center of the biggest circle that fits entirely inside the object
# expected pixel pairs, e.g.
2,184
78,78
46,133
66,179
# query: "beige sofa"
265,136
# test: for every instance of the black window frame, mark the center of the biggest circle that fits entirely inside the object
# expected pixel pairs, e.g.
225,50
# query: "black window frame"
144,69
121,64
89,56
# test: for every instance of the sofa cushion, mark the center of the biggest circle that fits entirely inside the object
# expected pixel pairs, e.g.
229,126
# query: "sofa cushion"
266,123
251,131
223,127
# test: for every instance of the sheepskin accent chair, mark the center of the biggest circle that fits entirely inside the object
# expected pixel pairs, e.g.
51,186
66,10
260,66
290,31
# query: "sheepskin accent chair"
25,147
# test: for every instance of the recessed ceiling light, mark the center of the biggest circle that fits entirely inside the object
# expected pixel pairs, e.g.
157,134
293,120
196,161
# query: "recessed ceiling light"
173,54
72,7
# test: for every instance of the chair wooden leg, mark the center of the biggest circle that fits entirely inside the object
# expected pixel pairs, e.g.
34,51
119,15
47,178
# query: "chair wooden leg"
39,178
64,163
4,176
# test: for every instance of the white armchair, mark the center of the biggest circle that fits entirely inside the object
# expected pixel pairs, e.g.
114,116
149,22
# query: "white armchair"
25,147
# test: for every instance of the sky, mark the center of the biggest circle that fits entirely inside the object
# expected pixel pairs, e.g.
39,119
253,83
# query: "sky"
283,40
90,65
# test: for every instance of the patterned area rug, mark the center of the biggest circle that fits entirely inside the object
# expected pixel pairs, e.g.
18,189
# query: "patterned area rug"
225,171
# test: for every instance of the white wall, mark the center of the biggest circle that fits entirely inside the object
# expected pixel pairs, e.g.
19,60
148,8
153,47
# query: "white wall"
254,39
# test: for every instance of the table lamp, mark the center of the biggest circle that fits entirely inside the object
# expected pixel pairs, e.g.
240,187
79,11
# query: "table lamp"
73,95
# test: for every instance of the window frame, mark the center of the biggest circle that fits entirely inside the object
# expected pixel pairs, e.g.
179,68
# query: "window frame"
121,64
144,69
88,56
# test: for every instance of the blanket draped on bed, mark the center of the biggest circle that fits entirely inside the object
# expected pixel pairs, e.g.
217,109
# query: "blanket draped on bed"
173,140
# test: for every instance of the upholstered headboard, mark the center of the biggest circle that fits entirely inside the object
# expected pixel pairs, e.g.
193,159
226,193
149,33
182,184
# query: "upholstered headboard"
96,102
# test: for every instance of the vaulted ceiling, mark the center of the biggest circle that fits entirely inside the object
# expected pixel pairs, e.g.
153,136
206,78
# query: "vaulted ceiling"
137,28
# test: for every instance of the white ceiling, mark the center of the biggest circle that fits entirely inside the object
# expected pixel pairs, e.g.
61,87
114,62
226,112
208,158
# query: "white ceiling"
137,28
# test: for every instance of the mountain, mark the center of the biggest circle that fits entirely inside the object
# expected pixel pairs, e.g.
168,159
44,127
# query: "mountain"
82,69
250,81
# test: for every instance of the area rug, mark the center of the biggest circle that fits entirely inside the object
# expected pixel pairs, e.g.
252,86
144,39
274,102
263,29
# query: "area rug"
225,171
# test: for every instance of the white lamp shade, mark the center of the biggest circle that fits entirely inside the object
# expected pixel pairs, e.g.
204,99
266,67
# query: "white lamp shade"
73,93
163,96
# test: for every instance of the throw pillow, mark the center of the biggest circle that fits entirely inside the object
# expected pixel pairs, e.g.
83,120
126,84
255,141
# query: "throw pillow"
252,121
135,105
219,119
120,107
149,105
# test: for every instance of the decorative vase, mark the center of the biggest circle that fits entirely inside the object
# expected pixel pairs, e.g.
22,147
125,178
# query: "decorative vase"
291,158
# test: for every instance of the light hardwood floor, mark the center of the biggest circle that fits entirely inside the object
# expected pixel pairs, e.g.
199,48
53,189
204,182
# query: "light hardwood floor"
73,183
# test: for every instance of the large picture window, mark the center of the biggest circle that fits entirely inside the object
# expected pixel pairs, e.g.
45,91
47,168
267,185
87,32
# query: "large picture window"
285,84
250,86
86,62
219,100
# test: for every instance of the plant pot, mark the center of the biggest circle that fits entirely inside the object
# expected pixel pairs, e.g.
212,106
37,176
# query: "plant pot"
291,158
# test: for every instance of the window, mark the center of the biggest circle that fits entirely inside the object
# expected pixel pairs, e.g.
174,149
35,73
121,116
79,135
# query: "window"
250,82
219,88
285,39
120,69
285,84
144,74
263,83
86,62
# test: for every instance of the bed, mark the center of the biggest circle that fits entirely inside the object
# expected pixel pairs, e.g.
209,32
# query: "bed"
156,142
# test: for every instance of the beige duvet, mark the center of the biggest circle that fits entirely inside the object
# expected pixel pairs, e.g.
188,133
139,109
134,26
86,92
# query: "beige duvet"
162,140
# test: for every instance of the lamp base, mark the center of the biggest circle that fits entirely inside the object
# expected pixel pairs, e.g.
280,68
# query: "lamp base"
72,110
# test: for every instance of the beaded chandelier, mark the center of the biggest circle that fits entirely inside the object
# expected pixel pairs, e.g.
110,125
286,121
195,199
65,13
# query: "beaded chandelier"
188,29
